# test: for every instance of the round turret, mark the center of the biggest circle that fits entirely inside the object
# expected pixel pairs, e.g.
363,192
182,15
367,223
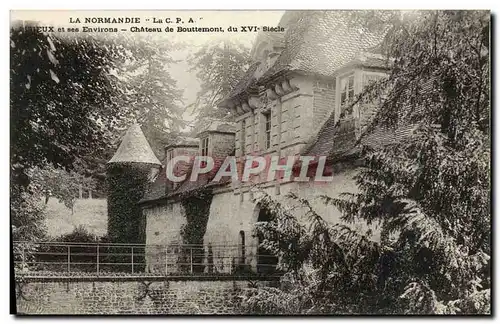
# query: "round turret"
127,174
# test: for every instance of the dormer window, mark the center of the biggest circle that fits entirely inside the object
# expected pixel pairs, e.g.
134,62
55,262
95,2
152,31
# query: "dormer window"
204,146
204,150
346,92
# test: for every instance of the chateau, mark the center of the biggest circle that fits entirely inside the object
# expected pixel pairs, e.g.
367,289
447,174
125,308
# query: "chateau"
294,100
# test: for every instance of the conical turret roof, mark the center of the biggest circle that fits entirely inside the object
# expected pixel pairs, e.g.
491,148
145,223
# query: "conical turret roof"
134,148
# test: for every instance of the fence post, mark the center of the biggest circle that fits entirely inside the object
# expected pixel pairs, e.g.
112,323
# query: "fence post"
132,259
69,258
191,253
97,257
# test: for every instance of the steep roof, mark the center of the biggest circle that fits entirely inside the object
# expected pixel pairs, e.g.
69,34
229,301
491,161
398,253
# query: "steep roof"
338,140
134,148
215,125
183,141
320,42
247,81
316,42
369,59
275,40
333,138
158,190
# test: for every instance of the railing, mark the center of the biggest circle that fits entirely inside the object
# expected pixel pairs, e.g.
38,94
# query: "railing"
172,259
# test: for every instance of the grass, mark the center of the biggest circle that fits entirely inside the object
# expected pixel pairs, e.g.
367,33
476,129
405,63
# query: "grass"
91,213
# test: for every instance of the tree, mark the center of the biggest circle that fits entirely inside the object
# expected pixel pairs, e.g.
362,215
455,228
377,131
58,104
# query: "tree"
430,192
61,184
329,269
219,66
152,92
71,98
63,105
150,97
27,213
433,190
63,98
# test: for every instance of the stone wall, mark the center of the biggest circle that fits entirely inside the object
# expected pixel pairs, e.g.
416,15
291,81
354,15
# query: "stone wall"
131,297
297,124
222,145
163,228
233,213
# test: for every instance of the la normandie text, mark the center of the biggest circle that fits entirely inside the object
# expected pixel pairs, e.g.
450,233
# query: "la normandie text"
106,20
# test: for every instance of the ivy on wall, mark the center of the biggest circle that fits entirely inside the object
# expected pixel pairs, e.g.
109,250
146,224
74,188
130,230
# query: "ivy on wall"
197,209
126,184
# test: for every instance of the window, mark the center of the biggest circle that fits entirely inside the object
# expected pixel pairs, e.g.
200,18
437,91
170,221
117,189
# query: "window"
267,138
243,136
170,154
324,84
204,150
346,92
242,246
204,146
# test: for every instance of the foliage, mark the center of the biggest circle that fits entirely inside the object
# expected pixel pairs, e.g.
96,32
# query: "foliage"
62,98
320,259
151,90
62,106
70,101
197,209
28,224
429,193
433,189
219,66
439,72
126,185
27,213
79,235
60,184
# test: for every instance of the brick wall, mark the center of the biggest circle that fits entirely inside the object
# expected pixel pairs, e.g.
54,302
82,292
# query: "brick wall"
131,297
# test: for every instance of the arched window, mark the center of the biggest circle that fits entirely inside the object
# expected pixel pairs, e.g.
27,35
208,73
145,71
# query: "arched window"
242,247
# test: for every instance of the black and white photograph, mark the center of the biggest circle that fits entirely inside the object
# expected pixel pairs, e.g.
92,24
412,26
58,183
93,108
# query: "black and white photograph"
250,162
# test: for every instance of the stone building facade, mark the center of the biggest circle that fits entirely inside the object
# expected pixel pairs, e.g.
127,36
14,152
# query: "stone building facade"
296,99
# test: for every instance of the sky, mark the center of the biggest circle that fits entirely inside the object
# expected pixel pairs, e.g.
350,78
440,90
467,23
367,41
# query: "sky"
186,80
